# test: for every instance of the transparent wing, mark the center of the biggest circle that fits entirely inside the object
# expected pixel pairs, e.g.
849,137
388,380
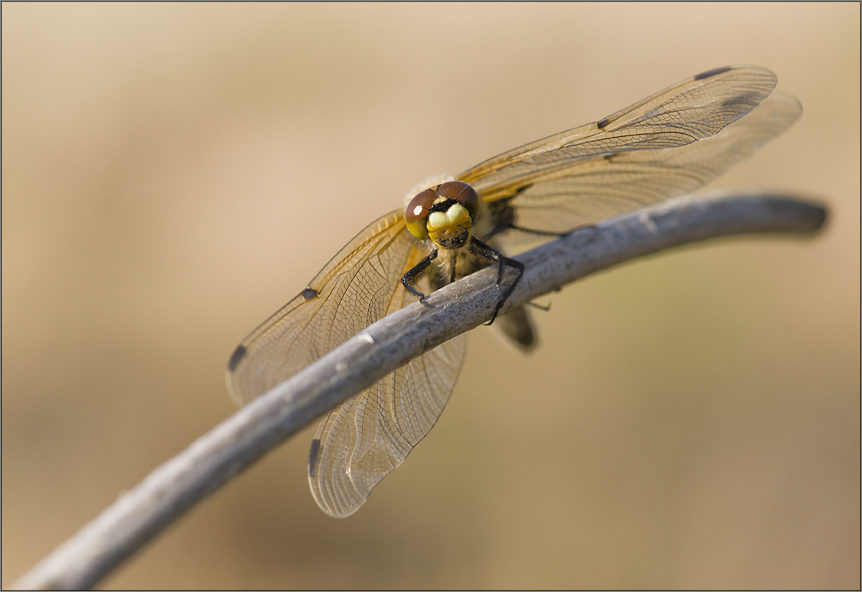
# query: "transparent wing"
353,290
365,438
630,180
669,144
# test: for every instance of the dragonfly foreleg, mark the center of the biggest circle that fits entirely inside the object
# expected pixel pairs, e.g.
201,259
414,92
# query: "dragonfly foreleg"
410,277
480,249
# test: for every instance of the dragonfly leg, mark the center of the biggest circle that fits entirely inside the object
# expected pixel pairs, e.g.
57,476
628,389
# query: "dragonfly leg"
479,248
410,277
504,213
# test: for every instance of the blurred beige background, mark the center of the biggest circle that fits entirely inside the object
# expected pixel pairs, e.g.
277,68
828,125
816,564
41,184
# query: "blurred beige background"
172,174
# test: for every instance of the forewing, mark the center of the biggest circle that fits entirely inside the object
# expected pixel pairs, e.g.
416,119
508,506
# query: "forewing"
693,110
356,288
627,181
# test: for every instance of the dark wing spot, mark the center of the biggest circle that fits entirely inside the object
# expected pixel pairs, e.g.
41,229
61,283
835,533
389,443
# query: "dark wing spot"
742,102
238,354
312,457
711,73
309,294
603,123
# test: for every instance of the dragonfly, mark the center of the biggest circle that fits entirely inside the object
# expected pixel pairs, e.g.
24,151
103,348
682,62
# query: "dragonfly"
667,145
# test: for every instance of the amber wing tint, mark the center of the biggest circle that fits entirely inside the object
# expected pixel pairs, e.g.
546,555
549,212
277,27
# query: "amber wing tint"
365,438
667,145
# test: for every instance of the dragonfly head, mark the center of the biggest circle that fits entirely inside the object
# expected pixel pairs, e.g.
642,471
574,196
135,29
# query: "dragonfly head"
444,214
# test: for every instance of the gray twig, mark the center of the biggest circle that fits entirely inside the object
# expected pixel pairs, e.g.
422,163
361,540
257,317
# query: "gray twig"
237,442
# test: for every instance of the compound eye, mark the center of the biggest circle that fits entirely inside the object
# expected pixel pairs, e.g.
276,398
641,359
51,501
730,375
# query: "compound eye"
456,190
417,213
463,194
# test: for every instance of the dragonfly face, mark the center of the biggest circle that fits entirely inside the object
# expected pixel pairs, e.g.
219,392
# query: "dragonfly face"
445,215
669,144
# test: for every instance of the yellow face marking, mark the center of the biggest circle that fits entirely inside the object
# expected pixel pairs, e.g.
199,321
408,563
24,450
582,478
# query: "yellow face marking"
456,215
